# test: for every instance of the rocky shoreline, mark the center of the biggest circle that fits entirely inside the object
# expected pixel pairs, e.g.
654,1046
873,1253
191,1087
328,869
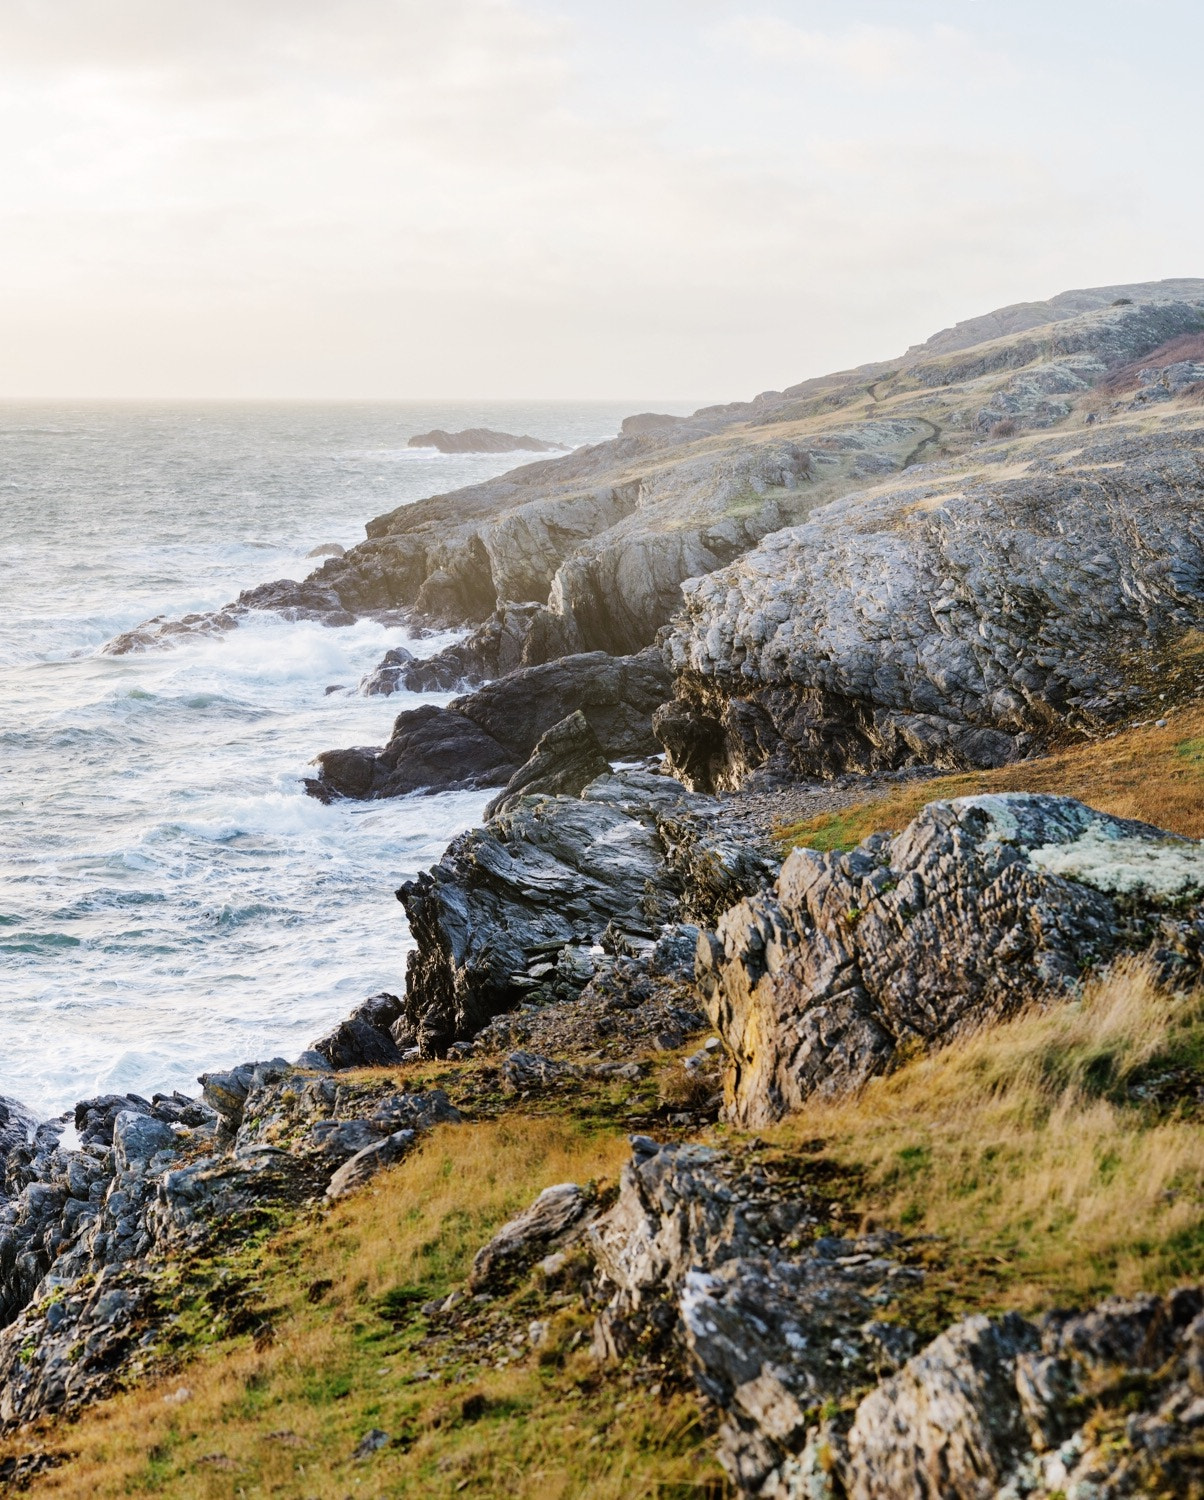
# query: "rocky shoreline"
676,644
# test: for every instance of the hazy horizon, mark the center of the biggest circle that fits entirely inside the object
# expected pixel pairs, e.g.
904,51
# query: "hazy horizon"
546,199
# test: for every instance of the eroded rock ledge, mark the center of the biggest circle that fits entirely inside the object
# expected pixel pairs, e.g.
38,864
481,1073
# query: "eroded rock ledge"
962,619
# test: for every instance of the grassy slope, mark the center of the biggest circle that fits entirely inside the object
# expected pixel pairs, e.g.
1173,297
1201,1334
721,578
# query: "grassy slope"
1051,1160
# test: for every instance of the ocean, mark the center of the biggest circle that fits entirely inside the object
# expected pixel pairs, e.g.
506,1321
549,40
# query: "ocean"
170,899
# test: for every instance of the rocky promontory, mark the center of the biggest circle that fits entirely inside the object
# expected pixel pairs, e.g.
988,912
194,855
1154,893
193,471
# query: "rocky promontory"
715,1146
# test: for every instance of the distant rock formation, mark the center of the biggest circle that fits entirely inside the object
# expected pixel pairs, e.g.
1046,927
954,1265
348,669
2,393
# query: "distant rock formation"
481,440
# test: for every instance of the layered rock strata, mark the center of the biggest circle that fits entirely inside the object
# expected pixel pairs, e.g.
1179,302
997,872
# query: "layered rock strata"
549,885
483,738
980,907
962,619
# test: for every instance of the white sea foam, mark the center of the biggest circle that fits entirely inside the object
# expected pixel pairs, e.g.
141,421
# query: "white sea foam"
170,899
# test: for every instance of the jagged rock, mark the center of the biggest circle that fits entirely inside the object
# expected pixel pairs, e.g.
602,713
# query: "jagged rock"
950,622
389,675
546,878
366,1163
547,1224
365,1038
431,749
979,907
494,648
950,1426
523,1072
565,760
480,440
992,1407
484,738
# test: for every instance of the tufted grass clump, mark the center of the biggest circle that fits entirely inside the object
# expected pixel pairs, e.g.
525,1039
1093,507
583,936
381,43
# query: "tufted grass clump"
1060,1154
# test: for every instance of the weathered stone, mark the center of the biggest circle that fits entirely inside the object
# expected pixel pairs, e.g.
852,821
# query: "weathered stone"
366,1163
979,907
544,879
557,1212
565,760
365,1038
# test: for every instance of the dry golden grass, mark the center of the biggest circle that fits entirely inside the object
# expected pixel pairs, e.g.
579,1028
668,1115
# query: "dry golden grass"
285,1419
1156,775
1027,1148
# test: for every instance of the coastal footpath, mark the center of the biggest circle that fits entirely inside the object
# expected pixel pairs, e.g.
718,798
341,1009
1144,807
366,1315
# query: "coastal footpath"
796,1085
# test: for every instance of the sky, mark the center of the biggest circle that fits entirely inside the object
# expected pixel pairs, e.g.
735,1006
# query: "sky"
560,199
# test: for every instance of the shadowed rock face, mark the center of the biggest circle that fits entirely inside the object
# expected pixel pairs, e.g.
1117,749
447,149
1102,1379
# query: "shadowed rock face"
978,908
485,737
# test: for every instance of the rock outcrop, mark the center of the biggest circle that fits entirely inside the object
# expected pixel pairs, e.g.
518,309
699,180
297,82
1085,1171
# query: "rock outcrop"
960,620
480,440
980,907
483,739
88,1233
548,893
566,759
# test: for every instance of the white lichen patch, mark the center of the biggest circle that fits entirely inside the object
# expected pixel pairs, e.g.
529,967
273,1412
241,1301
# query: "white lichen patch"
1160,870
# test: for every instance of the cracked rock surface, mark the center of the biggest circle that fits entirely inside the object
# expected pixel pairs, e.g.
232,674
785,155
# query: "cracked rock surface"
978,908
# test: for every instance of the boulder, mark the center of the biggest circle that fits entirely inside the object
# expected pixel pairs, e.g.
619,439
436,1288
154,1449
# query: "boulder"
483,738
978,908
616,694
368,1162
543,1227
431,749
565,760
365,1038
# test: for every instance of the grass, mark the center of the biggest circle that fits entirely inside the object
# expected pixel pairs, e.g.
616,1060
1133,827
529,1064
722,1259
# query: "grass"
351,1351
1055,1159
1153,774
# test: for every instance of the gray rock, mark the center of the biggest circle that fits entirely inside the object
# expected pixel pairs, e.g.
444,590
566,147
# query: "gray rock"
556,1214
483,738
365,1038
565,760
547,878
979,907
367,1163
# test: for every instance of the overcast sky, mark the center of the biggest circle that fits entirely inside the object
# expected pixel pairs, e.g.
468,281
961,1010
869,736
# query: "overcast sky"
568,198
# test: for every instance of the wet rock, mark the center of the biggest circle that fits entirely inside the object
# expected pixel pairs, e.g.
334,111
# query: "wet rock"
389,675
542,881
546,1225
431,749
565,760
979,907
365,1038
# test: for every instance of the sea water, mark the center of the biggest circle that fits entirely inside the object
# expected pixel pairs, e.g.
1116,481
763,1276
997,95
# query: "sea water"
170,899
